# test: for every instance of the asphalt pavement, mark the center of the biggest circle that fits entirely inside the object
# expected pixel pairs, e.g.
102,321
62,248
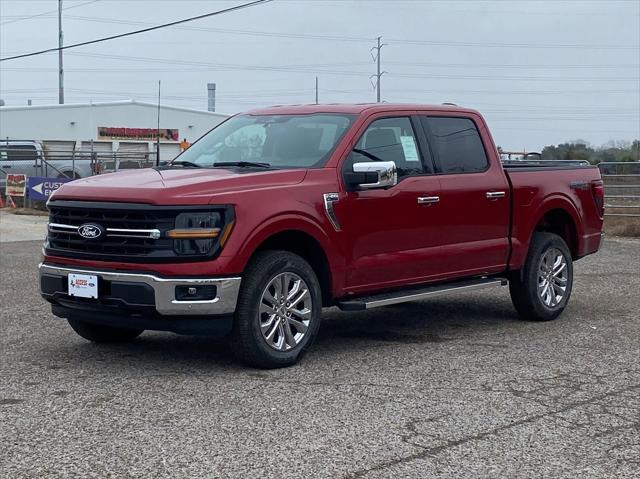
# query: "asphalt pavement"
452,387
15,227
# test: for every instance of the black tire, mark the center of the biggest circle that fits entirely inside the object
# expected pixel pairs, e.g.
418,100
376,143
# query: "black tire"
99,333
249,344
69,174
523,285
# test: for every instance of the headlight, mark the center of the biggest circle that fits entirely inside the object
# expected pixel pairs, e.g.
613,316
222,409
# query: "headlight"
196,233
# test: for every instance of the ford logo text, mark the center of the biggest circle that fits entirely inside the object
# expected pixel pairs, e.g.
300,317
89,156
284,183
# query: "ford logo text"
91,231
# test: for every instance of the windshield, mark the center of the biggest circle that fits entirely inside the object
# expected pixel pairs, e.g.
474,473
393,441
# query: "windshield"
280,141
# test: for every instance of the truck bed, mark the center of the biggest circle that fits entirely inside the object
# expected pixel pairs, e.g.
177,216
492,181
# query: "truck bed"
568,188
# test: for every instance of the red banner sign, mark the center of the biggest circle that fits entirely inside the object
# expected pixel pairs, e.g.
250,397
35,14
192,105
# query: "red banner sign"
145,134
16,184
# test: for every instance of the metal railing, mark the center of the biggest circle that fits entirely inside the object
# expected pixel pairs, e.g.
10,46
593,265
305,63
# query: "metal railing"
622,188
534,161
66,164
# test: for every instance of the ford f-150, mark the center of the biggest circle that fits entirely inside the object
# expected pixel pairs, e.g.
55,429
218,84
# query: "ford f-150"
279,212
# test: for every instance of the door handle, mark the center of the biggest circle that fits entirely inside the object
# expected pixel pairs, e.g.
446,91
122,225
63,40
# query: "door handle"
428,200
494,195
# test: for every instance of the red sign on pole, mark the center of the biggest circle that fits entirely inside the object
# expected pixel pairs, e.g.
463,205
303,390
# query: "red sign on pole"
16,185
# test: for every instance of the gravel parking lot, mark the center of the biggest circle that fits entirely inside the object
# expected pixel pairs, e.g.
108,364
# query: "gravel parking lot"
454,387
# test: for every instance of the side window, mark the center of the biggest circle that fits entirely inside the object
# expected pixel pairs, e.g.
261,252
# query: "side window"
457,144
391,139
18,153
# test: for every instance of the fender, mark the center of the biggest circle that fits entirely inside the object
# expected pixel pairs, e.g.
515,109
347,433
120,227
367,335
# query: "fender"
522,236
292,222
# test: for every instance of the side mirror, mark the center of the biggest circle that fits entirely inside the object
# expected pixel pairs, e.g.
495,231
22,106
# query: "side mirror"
372,175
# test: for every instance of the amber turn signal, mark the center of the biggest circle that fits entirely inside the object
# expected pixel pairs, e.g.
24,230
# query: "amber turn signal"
193,233
226,233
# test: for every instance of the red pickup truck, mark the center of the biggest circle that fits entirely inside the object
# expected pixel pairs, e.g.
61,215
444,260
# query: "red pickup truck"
279,212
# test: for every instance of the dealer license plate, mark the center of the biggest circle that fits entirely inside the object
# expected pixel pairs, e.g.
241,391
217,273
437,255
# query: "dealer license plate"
83,285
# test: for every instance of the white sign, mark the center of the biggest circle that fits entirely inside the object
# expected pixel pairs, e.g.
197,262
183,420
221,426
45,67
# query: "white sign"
83,285
409,148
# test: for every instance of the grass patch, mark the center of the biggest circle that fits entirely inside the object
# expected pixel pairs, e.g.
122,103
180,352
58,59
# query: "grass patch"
620,226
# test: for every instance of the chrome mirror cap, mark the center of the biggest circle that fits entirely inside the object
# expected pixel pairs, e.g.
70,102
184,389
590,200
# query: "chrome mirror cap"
386,171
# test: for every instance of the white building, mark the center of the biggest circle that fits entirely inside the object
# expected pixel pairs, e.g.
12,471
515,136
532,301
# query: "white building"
128,127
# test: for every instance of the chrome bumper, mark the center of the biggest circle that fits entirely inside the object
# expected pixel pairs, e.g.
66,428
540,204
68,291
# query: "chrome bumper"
164,290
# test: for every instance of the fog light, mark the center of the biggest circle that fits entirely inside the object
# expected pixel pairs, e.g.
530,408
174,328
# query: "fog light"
196,293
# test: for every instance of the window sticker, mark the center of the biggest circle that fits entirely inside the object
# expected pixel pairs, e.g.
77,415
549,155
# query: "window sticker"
409,148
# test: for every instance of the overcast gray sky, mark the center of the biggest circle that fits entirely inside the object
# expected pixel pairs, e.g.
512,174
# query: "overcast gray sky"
542,72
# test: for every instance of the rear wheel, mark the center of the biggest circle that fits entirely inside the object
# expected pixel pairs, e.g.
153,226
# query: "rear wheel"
69,174
278,311
540,291
99,333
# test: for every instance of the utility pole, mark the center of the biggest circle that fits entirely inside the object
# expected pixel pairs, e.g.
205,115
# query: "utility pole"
60,70
158,138
316,90
378,75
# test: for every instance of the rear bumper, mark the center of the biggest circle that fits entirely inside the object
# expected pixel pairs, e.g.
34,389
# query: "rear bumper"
139,294
591,244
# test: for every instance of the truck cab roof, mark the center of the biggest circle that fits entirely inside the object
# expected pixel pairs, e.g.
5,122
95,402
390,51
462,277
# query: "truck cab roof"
354,108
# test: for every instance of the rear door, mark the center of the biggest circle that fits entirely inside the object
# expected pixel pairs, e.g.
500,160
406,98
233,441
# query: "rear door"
393,233
474,196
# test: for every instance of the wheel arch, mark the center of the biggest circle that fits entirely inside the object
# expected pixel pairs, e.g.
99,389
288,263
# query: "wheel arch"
309,249
559,221
305,238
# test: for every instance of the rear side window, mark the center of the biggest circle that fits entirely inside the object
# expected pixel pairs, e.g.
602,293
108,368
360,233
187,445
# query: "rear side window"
457,144
18,153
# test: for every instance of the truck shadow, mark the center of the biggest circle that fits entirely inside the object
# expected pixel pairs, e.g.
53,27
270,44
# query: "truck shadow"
434,321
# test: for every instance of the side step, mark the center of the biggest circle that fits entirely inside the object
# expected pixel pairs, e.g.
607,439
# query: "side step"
406,295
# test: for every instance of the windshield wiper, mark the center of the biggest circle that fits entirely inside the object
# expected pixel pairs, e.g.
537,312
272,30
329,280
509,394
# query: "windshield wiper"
371,156
243,164
186,164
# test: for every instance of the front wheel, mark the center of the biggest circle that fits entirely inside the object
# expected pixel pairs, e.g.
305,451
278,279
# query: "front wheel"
540,291
278,311
100,333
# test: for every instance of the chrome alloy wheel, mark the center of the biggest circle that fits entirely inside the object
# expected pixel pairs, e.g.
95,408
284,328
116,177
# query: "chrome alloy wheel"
552,277
285,311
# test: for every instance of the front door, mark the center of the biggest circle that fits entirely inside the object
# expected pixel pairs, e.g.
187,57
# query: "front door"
393,233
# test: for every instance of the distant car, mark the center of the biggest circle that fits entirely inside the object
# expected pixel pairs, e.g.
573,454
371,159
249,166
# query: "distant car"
28,158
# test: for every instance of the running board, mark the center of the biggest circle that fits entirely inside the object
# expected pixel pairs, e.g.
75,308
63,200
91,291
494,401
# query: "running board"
406,295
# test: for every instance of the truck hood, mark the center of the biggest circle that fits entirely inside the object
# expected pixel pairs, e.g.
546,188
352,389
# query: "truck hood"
174,186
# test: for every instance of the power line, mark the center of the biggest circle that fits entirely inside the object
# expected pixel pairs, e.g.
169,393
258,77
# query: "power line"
46,13
136,32
512,45
323,68
338,38
342,38
513,66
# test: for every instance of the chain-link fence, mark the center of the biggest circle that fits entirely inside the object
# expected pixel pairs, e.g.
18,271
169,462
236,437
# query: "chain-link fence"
63,164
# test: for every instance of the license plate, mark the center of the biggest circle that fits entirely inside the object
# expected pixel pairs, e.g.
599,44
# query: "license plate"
83,285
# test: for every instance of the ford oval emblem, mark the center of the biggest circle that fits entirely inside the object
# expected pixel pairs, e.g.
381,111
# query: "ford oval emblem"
91,231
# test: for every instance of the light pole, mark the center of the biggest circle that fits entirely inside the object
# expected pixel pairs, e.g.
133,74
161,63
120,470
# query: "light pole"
60,70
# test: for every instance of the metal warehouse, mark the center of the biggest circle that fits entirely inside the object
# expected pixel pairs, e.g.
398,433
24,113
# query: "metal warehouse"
120,128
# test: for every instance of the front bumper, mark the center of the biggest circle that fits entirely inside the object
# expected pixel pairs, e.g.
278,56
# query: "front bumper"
139,293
